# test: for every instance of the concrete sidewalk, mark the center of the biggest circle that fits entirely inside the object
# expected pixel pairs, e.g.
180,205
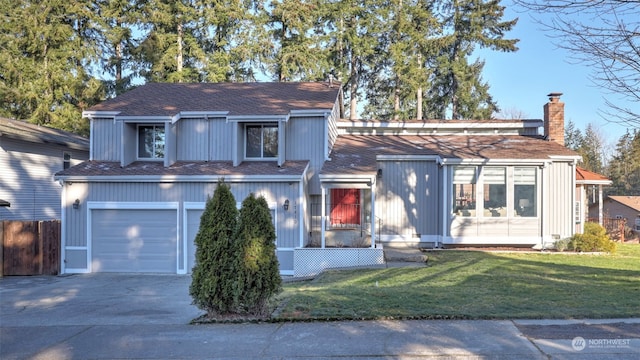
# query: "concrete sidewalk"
118,316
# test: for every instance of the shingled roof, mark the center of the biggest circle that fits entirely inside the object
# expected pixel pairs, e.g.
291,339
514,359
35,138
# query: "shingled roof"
238,99
632,202
584,176
356,154
22,130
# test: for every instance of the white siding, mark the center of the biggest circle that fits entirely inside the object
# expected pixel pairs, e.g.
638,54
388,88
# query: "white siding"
560,191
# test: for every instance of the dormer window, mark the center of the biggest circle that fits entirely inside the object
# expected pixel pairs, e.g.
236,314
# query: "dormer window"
261,141
150,142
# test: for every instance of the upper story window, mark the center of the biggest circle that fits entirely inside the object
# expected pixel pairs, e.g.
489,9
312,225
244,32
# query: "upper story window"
150,141
261,141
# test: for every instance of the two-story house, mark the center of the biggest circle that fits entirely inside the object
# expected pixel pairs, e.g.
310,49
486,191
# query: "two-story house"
339,190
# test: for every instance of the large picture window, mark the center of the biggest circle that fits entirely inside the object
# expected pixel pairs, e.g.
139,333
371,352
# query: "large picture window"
261,141
497,193
151,141
525,191
464,190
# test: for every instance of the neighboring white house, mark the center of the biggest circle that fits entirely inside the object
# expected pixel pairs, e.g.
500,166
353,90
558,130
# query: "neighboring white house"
338,189
29,157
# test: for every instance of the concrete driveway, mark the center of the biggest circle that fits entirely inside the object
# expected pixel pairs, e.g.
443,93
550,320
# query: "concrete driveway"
123,316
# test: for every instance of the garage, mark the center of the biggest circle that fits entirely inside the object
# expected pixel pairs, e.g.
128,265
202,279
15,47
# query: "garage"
134,240
192,226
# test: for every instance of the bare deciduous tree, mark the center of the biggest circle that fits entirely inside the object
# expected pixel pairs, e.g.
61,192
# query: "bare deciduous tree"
605,36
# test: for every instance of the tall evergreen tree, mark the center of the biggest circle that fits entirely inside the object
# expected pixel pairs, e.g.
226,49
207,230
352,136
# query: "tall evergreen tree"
117,23
624,168
297,33
406,45
232,35
170,51
257,265
214,279
573,138
351,45
592,150
45,48
457,85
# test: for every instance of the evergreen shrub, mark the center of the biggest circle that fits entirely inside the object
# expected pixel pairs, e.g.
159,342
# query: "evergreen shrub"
213,285
594,238
257,265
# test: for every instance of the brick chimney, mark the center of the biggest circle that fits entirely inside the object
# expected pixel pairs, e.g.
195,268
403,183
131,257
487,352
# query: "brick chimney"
554,119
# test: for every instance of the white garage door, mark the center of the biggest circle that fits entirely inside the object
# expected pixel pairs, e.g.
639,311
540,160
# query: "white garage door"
128,240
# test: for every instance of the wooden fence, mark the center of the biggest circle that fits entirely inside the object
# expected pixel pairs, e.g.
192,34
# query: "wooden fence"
615,227
30,247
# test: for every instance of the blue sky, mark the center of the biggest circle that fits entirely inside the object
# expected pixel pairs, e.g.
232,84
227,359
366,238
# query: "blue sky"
521,80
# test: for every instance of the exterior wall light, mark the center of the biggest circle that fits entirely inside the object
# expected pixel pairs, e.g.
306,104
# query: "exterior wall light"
76,204
285,206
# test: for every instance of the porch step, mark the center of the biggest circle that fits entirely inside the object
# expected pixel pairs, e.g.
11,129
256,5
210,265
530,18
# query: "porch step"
404,255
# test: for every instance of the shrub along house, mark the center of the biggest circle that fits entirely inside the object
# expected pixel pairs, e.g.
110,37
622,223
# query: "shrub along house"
338,190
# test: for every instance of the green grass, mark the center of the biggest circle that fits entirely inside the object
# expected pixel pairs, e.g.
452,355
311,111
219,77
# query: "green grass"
475,285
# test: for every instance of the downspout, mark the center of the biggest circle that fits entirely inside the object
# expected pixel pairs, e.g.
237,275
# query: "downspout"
90,139
63,227
301,201
323,216
373,212
445,203
573,197
600,214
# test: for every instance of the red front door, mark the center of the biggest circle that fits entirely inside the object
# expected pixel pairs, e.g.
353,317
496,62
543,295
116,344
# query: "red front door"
345,207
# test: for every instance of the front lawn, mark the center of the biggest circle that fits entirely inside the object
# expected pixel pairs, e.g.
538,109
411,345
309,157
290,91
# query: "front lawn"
475,285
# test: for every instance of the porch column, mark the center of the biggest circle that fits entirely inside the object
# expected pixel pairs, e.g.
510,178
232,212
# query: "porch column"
373,214
584,208
323,217
600,215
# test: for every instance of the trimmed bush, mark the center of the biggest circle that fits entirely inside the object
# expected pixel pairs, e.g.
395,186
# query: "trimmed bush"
594,238
213,285
257,265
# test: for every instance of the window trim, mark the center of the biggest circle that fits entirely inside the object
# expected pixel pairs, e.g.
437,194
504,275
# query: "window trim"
155,126
262,127
478,180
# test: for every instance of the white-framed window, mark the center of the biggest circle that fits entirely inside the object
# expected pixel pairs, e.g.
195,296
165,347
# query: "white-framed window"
525,190
496,189
464,190
66,160
261,141
494,180
638,224
151,140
